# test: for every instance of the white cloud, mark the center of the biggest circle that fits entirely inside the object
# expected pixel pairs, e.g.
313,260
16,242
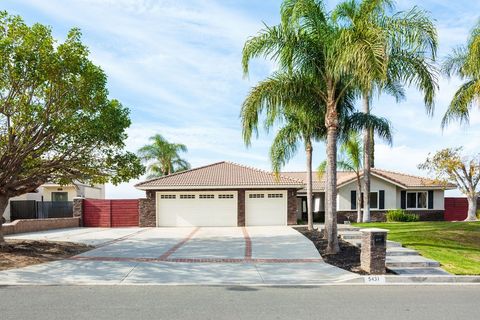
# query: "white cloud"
176,64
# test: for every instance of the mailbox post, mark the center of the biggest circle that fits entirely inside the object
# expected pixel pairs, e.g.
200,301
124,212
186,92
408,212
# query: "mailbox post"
374,250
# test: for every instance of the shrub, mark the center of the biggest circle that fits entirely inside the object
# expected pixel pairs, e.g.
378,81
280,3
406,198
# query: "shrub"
400,215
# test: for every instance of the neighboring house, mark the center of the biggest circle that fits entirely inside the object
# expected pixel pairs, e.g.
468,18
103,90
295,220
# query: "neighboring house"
228,194
388,190
51,192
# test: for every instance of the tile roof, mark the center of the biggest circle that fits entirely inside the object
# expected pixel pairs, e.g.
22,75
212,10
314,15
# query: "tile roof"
221,174
343,177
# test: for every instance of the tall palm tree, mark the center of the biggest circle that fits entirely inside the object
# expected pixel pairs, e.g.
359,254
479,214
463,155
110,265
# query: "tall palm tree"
306,51
408,42
309,42
351,160
165,156
464,62
287,98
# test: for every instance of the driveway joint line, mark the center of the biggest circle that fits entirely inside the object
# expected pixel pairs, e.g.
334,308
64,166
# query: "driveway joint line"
129,272
248,244
103,244
173,249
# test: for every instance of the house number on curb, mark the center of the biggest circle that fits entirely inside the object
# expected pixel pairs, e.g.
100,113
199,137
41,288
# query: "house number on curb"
374,279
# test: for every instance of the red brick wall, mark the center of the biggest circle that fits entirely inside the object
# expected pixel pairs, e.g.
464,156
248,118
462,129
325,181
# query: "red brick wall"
31,225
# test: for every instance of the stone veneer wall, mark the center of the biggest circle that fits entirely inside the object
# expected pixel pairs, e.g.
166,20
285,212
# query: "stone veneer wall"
292,206
78,210
241,208
147,216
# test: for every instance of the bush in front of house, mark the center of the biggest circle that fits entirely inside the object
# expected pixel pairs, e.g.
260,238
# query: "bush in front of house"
400,215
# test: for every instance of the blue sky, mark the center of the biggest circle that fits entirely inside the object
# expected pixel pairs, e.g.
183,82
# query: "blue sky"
176,65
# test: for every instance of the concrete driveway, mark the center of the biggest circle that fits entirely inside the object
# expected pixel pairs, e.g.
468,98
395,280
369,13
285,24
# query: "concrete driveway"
253,255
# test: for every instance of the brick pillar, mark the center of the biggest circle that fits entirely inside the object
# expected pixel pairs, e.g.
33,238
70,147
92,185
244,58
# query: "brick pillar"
292,206
147,213
374,249
241,208
78,209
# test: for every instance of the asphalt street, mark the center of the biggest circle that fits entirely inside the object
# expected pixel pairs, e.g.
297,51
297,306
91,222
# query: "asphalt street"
239,302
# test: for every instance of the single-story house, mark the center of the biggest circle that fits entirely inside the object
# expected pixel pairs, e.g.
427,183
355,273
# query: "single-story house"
388,190
229,194
52,192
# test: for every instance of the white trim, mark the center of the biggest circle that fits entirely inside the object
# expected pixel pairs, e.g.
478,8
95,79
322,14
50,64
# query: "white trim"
416,200
186,188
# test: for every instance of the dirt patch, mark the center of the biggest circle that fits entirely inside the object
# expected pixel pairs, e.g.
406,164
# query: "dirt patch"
22,253
348,258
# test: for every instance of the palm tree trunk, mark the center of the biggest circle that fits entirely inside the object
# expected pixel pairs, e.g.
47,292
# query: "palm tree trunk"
359,199
3,205
372,149
366,163
309,151
472,207
331,122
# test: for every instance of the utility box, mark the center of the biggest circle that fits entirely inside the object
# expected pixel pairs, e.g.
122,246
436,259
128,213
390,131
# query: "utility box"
374,250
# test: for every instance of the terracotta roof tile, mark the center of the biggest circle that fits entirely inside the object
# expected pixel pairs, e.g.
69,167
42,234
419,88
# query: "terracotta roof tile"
221,174
344,177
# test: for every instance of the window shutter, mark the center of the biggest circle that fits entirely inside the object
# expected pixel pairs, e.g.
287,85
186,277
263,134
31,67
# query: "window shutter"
381,199
353,200
430,199
403,199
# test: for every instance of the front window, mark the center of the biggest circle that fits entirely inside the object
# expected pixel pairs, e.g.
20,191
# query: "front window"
417,200
59,196
373,200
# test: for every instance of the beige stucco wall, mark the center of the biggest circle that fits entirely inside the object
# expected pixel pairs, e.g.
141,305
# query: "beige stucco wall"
93,192
343,200
47,192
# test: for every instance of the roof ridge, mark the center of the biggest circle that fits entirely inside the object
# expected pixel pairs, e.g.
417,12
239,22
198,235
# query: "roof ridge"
180,172
265,171
401,173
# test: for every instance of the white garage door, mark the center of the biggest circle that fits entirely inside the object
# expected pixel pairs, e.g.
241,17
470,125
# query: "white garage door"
266,208
185,209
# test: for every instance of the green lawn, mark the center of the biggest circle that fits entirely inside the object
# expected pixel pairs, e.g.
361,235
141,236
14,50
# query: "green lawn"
456,245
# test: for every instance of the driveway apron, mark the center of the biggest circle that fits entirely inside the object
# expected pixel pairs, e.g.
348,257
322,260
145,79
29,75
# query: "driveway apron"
196,255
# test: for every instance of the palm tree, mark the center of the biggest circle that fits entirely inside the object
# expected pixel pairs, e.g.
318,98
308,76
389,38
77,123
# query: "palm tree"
408,42
464,62
309,43
287,98
165,157
351,160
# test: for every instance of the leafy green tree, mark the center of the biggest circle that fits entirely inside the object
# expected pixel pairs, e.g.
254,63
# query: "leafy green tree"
165,156
408,43
450,166
464,62
57,123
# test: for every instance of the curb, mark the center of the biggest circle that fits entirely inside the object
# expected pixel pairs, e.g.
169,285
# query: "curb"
412,279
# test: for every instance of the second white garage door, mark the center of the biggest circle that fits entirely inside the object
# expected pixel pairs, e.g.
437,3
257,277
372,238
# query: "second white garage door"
266,208
203,209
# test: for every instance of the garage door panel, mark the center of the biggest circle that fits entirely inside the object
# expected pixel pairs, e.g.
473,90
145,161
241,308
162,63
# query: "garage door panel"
265,208
197,209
